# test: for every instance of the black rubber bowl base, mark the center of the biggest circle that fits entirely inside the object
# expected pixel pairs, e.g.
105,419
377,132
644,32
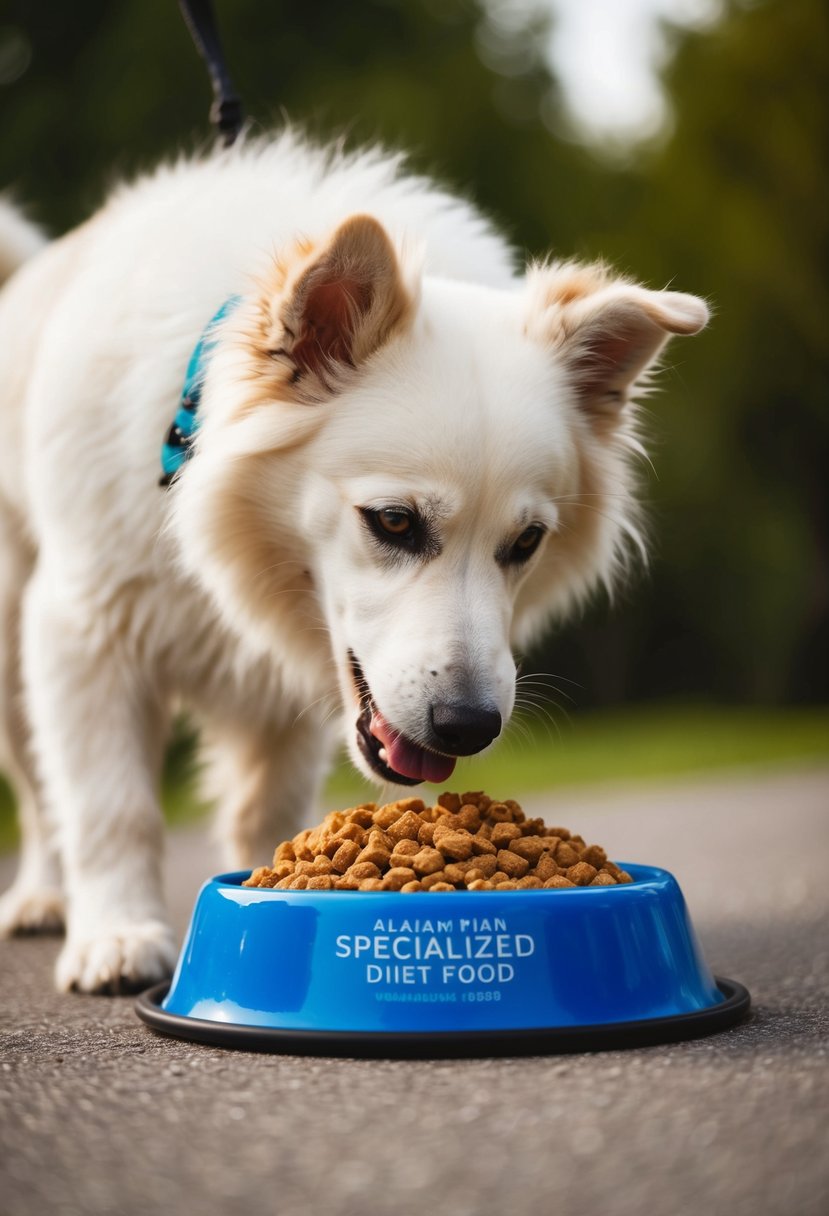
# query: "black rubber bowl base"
609,1036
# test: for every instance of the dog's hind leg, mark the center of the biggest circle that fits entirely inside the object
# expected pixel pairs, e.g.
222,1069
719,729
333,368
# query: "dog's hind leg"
266,784
98,732
34,901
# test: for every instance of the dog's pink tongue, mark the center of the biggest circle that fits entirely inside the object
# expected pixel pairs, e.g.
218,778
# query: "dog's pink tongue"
406,758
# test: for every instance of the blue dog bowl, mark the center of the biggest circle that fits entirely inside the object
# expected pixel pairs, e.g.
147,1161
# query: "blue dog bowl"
345,972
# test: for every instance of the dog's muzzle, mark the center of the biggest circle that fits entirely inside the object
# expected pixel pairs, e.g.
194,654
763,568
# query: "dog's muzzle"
463,730
456,729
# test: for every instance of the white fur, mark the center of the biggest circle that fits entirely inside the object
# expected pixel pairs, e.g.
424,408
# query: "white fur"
123,600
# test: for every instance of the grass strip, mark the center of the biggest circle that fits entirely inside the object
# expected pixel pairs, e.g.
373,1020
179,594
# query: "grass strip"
641,743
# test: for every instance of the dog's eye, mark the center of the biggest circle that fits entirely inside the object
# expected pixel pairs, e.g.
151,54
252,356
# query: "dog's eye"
395,526
401,531
395,522
526,544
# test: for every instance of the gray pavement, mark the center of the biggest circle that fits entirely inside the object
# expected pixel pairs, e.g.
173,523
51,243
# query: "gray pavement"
99,1115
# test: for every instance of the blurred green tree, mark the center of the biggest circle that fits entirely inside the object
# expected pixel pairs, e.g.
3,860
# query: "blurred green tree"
734,206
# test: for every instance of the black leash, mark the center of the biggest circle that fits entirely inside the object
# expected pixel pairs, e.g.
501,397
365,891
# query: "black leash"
226,112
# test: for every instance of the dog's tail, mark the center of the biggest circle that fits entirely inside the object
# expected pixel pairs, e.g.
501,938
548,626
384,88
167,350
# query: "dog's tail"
20,239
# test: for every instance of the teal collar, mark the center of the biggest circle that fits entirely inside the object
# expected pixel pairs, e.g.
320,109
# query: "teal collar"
178,445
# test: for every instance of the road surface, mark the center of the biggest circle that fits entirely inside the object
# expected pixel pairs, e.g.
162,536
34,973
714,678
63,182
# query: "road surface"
98,1115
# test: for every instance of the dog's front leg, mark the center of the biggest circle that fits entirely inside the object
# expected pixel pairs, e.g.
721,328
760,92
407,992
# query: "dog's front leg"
265,783
98,736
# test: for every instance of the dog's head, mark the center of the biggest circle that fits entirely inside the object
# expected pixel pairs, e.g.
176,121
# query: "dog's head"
399,478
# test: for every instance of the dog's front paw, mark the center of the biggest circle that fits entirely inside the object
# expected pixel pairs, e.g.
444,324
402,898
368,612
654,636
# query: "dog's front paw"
26,909
121,960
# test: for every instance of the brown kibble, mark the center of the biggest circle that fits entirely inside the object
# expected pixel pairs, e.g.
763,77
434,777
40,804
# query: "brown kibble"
406,827
469,817
594,856
262,876
379,839
428,861
403,853
375,855
486,864
582,873
545,867
511,864
397,877
345,856
363,870
389,814
455,873
503,833
566,855
529,847
351,831
429,880
386,815
412,804
450,802
426,834
464,842
329,844
400,859
457,844
363,815
499,813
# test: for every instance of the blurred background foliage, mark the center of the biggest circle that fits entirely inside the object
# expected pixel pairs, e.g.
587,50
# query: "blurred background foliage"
731,204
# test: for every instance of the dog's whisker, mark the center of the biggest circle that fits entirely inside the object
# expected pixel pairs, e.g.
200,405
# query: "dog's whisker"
276,566
326,697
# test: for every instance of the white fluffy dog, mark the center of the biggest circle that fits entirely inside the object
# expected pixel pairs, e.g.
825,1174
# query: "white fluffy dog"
407,458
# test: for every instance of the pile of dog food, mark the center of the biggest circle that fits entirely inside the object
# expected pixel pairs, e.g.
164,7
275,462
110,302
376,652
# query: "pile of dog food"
467,842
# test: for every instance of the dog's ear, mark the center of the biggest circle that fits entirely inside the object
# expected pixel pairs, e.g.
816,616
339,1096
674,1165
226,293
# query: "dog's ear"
608,333
341,303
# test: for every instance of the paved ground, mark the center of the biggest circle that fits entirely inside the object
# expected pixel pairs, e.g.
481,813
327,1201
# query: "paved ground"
98,1115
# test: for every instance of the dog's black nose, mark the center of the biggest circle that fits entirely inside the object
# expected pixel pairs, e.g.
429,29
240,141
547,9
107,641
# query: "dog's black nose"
462,730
